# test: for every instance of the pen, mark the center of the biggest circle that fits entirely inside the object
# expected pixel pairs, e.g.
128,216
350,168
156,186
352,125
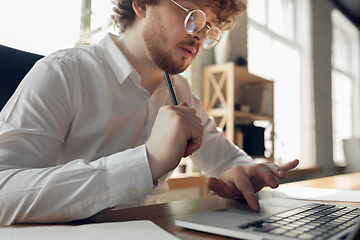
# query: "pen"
171,90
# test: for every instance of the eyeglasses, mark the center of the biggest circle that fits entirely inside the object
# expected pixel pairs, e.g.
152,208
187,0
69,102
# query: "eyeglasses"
195,21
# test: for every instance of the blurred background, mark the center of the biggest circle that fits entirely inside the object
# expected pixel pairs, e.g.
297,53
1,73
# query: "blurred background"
310,49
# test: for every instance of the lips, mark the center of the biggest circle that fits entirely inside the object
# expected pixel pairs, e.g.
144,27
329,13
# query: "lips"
188,51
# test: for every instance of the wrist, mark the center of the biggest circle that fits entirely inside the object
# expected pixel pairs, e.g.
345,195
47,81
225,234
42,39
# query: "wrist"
155,167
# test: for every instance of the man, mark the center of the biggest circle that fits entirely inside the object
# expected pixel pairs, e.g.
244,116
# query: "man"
93,127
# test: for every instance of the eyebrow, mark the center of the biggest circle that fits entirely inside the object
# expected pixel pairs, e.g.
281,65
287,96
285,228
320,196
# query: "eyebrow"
213,20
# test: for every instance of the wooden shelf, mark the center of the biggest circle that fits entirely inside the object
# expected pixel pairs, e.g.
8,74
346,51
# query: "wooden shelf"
223,83
219,112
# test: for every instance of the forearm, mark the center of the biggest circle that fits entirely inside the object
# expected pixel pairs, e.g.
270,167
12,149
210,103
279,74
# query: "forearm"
73,191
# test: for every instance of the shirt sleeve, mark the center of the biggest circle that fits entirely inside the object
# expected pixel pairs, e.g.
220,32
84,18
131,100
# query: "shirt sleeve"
216,154
32,188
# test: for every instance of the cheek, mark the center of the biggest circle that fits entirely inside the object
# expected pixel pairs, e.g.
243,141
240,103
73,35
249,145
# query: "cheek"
174,24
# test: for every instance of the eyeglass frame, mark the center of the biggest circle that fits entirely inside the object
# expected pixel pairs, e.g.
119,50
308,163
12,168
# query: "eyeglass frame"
208,28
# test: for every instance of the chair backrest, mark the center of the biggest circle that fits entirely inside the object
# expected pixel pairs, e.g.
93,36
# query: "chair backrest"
14,65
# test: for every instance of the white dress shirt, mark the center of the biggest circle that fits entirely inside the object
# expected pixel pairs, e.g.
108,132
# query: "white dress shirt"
72,137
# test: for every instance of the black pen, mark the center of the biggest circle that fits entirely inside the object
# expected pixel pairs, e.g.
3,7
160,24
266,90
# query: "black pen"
172,93
171,90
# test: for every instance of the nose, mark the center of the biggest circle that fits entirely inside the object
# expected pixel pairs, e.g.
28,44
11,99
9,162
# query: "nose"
200,36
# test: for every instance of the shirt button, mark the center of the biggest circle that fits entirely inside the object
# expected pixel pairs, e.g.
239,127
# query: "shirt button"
134,192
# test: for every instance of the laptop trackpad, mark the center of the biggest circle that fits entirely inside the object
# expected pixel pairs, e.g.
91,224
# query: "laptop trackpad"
269,206
265,210
244,213
233,217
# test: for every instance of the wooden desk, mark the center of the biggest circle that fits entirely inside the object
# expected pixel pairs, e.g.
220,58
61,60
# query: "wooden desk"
164,214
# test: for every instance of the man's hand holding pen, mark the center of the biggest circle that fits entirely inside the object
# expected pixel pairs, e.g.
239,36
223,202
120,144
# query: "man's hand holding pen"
177,133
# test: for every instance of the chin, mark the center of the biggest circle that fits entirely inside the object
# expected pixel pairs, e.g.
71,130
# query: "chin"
169,62
178,70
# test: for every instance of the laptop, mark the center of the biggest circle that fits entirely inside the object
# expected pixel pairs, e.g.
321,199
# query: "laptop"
279,219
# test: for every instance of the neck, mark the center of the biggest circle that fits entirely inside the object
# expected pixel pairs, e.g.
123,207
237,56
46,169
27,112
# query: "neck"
133,47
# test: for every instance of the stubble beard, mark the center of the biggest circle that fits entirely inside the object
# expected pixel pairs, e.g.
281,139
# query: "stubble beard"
157,43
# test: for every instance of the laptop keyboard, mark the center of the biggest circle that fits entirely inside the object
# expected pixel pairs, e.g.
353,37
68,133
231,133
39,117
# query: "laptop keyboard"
313,221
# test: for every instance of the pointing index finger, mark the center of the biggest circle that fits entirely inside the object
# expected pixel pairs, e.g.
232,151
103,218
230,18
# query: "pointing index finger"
290,165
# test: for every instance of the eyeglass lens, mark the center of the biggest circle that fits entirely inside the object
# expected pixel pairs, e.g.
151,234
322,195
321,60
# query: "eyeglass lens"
212,38
195,21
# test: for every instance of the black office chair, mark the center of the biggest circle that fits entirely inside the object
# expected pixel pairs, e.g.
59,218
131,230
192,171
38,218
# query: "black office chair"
14,65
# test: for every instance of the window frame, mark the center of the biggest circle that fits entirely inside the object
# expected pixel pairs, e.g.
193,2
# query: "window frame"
352,35
301,44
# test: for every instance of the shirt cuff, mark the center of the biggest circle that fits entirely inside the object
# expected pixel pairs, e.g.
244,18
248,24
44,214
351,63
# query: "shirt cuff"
129,175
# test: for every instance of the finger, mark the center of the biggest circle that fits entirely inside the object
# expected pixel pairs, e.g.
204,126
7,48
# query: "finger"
192,118
275,169
184,107
181,116
243,184
194,143
184,104
216,186
290,165
280,171
266,172
221,188
192,125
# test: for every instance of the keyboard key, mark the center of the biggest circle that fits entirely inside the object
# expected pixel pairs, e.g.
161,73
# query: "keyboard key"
306,236
278,231
265,228
305,228
289,213
290,234
289,227
313,221
316,232
295,231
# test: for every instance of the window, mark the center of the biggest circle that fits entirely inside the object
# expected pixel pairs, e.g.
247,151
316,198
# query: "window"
345,83
99,22
278,49
40,26
276,15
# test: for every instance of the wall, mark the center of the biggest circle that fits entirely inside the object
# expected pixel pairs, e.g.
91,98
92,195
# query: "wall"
321,71
231,46
321,36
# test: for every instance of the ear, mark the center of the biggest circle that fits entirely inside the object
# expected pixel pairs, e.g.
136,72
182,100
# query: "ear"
139,8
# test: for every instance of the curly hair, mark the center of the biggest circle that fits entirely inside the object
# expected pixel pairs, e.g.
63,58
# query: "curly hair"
124,14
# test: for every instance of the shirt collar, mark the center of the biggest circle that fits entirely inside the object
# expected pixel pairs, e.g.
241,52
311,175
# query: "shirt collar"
119,64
